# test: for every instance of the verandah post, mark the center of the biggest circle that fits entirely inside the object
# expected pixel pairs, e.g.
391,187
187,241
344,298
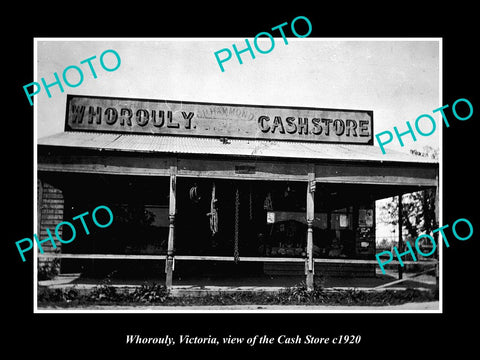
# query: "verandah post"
400,239
309,265
172,208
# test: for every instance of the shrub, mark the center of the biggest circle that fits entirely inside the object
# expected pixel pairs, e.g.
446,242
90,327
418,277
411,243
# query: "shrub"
149,293
57,295
48,270
105,291
301,294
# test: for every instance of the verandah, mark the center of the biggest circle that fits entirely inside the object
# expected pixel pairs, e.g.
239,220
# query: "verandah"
301,200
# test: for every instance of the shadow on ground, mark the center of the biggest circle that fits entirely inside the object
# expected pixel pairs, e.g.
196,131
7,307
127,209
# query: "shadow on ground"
421,282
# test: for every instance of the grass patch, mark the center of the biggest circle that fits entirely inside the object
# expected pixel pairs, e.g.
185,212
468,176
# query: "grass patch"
156,294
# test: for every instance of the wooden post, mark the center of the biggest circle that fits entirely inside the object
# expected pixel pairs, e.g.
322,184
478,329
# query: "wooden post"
172,208
400,239
310,216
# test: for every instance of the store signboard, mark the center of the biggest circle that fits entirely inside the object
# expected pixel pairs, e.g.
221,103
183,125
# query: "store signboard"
163,117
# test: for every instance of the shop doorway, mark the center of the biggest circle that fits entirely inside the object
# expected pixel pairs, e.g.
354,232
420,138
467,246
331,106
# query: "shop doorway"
228,218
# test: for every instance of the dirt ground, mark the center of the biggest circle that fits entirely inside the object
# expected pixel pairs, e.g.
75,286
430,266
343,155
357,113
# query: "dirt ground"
423,281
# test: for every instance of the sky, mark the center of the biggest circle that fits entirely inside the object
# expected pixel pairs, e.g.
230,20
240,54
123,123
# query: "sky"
399,79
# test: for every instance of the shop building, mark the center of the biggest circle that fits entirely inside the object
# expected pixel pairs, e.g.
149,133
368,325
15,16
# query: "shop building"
205,189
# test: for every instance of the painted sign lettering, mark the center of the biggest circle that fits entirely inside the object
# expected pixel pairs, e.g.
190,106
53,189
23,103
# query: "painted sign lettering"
161,117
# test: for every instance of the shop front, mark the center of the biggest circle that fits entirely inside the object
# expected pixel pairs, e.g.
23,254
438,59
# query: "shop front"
219,191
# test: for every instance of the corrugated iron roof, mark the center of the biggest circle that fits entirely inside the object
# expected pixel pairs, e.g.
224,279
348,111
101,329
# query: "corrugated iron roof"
232,147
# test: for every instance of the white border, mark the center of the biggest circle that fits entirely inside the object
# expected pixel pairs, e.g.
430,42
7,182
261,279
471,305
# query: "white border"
264,311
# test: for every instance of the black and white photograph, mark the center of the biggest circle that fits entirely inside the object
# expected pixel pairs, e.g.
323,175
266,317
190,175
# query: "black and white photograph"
258,189
265,206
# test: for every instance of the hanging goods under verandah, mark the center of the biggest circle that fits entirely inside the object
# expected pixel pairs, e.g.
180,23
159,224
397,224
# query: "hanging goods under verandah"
213,214
267,203
193,193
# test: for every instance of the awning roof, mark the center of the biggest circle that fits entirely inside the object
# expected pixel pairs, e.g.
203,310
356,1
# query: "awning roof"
229,147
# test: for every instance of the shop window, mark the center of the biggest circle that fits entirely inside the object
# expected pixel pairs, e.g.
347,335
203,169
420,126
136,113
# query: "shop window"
333,236
140,224
138,229
285,218
365,232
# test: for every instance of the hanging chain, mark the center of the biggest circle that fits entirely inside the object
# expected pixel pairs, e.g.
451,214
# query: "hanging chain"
236,254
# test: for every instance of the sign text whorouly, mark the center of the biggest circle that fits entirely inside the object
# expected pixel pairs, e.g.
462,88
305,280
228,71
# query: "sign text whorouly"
85,113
